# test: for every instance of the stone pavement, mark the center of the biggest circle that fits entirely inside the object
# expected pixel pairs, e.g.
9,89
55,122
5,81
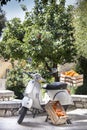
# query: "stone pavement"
78,117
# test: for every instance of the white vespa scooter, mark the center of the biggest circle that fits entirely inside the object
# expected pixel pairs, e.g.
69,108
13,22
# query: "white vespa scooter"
32,96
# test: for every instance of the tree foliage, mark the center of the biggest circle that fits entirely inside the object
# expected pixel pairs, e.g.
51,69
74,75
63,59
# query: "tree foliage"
46,35
4,2
50,37
2,20
80,24
80,18
12,40
15,81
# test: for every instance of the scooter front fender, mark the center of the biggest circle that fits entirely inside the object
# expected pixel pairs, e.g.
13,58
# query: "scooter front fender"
27,102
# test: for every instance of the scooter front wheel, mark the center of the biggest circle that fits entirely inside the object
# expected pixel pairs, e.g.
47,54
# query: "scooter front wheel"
22,115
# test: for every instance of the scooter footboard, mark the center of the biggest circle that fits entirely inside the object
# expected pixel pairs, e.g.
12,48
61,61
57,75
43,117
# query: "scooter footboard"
27,102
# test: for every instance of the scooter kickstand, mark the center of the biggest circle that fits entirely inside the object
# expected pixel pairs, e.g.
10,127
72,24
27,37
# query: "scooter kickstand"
46,119
69,121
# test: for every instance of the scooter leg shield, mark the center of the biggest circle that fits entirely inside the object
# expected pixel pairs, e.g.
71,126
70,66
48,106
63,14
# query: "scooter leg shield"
27,102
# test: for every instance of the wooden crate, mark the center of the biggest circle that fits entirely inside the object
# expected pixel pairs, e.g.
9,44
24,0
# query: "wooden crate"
77,80
72,80
53,116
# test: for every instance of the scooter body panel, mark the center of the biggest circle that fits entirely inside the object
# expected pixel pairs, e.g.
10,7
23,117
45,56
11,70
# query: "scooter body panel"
33,92
61,95
30,87
27,102
36,96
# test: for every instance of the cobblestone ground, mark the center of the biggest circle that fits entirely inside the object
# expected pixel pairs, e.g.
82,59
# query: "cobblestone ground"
78,118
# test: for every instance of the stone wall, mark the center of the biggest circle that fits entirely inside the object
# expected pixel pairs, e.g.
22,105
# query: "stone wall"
2,84
80,101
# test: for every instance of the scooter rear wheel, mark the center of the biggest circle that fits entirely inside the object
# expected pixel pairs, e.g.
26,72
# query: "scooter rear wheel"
22,115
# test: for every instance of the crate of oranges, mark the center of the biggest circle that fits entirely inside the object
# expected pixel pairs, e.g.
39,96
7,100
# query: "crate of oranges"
56,113
72,78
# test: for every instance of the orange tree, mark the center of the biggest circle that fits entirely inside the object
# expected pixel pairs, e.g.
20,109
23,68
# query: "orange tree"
46,36
49,39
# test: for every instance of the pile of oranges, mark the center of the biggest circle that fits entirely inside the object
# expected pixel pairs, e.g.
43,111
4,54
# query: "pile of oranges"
59,112
71,73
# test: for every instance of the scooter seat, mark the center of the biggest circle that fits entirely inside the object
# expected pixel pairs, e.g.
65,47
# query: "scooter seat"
56,85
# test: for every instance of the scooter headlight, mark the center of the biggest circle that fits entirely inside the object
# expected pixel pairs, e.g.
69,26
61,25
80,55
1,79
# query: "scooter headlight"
42,80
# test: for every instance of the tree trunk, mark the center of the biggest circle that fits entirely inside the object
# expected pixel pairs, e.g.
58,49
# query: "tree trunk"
55,75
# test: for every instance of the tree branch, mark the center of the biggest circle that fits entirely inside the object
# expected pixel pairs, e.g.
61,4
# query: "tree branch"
48,67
